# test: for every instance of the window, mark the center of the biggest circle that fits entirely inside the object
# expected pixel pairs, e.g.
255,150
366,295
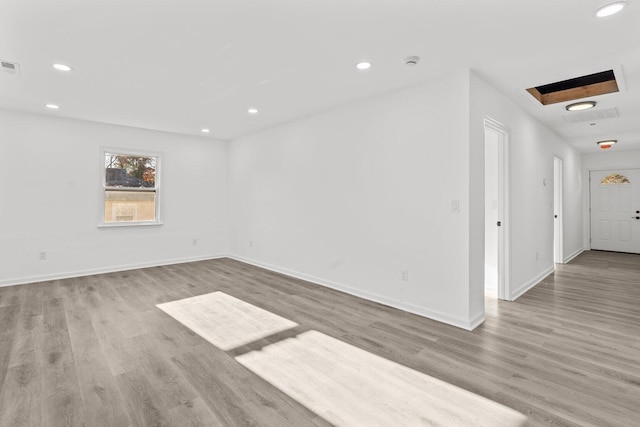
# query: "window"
130,188
614,179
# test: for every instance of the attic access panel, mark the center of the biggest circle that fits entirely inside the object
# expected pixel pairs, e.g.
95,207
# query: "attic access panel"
576,88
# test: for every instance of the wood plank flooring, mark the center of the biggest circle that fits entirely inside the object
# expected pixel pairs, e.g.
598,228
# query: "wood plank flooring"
95,351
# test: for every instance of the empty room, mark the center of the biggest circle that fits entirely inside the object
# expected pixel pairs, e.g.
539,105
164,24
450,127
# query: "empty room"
319,213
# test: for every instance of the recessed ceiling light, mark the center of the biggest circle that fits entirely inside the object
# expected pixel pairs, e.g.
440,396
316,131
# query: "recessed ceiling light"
607,143
610,9
52,106
364,65
579,106
204,130
62,67
252,111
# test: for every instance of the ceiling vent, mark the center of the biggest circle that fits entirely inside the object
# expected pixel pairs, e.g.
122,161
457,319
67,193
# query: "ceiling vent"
10,67
592,115
576,88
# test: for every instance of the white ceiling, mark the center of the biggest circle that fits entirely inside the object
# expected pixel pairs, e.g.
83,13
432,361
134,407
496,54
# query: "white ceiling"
183,65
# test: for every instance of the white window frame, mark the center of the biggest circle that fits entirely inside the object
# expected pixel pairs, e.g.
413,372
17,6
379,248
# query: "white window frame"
103,187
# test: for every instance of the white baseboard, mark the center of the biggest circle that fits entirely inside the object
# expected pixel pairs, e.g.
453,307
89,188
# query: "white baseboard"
103,270
573,255
531,283
476,321
468,324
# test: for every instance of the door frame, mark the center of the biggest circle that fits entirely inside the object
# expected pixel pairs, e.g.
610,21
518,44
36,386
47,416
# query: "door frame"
558,202
504,235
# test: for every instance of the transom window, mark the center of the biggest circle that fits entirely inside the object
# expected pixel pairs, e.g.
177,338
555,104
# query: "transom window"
614,179
130,188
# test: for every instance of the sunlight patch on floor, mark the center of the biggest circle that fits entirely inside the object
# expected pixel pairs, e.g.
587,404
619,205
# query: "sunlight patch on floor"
349,386
225,321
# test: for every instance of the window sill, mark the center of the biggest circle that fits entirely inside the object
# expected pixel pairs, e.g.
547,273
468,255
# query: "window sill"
129,224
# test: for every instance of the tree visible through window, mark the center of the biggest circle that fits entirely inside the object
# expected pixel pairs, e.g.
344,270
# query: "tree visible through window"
130,188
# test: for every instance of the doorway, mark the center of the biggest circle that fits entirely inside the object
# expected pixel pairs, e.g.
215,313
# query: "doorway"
558,255
496,252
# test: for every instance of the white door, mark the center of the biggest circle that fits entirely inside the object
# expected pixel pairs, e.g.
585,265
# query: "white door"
491,212
558,256
496,210
615,210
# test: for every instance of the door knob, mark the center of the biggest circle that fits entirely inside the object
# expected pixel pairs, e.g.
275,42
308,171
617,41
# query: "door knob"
635,217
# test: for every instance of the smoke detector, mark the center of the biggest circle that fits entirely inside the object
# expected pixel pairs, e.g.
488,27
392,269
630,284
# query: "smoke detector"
411,61
10,67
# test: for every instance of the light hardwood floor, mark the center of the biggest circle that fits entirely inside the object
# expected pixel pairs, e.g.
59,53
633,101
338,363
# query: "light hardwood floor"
96,351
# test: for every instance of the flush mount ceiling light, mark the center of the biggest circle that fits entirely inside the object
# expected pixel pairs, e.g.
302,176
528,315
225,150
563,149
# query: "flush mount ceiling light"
62,67
52,106
579,106
607,143
610,9
205,130
364,65
252,110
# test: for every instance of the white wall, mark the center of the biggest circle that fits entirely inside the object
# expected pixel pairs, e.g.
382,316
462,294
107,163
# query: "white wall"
50,199
532,148
603,160
352,197
611,159
349,198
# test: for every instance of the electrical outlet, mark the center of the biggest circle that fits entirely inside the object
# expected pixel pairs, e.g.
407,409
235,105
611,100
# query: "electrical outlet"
42,255
405,275
194,242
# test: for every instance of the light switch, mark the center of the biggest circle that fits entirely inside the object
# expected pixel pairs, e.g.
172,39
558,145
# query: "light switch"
455,206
